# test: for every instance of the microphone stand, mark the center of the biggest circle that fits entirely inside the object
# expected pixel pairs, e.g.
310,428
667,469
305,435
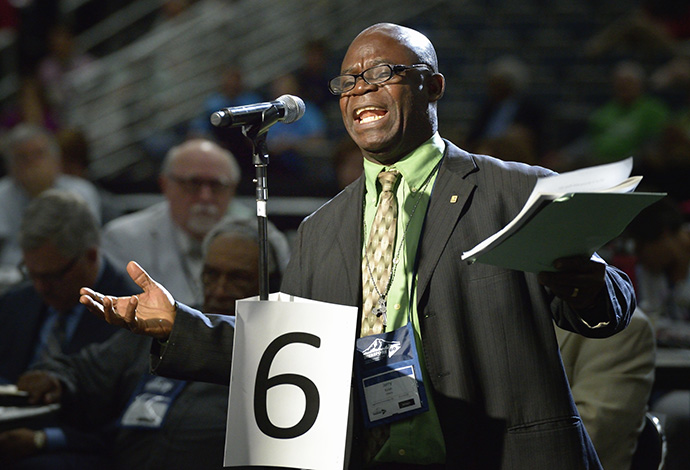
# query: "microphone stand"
260,158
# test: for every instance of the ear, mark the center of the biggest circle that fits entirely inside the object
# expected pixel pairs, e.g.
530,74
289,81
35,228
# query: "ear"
436,85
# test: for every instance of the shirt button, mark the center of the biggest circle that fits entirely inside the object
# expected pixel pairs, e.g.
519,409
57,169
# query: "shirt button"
414,190
396,306
401,451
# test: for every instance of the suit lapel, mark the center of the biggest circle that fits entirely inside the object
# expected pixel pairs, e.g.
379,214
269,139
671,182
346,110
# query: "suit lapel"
349,238
448,200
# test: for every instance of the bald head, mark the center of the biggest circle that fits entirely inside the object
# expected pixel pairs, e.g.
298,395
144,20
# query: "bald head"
391,118
419,46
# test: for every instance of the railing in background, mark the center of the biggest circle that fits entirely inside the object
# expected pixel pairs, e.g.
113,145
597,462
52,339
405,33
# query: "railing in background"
161,80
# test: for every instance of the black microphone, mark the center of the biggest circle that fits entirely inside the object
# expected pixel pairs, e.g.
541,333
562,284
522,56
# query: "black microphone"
286,108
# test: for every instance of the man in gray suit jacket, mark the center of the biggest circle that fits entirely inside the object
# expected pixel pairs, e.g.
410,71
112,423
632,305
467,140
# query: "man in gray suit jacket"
198,180
498,394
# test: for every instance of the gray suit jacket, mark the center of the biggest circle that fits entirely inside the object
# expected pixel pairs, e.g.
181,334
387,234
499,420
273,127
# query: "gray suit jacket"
611,380
148,237
487,332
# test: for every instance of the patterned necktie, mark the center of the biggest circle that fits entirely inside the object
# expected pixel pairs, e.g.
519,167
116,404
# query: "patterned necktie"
376,268
378,259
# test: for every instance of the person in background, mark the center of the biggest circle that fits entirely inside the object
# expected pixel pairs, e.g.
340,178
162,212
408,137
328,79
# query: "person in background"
232,91
509,117
58,69
59,239
107,388
198,180
611,381
627,125
661,239
314,73
74,150
30,106
498,396
32,158
297,150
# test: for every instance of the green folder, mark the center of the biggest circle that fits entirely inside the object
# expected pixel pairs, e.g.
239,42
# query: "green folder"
572,224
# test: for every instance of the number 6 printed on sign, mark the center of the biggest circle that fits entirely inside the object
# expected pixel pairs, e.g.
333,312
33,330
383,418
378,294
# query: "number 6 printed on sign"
263,383
290,383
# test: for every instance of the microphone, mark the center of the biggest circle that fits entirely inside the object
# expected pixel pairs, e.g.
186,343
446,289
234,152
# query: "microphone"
286,108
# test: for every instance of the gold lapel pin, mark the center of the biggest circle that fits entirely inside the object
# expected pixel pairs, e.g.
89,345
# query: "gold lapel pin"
454,199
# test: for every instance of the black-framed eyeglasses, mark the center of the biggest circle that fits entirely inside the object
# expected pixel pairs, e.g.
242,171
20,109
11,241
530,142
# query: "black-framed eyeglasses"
375,75
48,276
195,185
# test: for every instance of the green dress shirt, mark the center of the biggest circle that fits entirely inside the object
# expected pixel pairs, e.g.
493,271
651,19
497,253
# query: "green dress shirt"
416,440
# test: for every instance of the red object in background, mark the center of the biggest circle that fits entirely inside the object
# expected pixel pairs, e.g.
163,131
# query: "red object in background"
8,15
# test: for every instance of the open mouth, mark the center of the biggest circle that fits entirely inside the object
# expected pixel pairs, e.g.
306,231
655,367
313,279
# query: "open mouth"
369,114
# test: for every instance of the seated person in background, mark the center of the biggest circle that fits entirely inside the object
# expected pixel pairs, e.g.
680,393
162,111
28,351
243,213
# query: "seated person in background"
74,150
231,92
628,124
29,105
32,158
662,247
611,380
198,181
102,387
59,239
59,68
298,150
508,114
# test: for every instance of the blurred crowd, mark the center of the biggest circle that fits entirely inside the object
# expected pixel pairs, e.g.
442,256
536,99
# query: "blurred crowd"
200,169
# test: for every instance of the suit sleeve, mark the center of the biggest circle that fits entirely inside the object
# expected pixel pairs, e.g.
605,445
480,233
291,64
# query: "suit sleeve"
97,383
199,348
611,313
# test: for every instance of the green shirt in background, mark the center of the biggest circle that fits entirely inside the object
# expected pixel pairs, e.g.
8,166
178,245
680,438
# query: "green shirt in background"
416,440
619,131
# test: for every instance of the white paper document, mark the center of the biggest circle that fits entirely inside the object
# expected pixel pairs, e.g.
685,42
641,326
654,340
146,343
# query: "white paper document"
290,383
573,213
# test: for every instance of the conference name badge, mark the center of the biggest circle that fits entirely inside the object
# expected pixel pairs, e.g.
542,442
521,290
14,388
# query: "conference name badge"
151,402
389,377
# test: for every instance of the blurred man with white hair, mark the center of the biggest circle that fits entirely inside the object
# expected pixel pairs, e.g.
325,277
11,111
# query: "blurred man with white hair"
198,180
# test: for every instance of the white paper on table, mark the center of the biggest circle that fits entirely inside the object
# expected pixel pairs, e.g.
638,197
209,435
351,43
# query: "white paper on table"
320,445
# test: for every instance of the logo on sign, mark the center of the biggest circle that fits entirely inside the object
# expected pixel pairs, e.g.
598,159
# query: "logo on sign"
379,349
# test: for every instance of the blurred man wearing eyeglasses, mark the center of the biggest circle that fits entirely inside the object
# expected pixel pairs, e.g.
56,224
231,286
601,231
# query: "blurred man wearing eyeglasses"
149,422
32,158
59,240
198,181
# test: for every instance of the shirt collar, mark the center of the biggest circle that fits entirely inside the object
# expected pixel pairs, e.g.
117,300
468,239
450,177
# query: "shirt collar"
189,247
414,167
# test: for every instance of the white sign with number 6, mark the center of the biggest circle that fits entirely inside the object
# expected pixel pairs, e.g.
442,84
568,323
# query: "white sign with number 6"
290,383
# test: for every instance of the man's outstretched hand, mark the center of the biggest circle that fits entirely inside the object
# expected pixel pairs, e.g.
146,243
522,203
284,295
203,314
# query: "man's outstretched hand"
151,313
579,280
